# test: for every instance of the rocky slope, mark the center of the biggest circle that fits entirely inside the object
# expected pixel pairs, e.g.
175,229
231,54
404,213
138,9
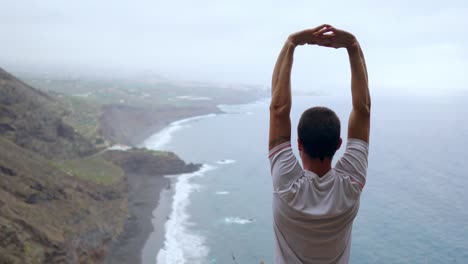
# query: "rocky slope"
34,120
60,202
143,161
48,216
130,125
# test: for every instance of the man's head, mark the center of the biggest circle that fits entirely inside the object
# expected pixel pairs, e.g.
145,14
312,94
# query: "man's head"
319,133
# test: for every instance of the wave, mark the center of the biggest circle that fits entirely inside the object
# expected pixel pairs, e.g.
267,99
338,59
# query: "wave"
243,108
222,192
159,140
225,161
181,245
119,147
238,220
194,98
231,109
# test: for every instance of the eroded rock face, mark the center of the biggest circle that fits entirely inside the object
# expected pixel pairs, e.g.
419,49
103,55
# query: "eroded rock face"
130,125
65,131
47,216
140,161
34,120
7,171
5,128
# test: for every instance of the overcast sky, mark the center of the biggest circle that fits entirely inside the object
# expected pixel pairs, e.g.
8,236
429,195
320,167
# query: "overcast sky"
411,46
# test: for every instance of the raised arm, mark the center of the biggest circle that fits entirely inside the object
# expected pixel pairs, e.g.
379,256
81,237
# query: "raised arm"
359,119
280,106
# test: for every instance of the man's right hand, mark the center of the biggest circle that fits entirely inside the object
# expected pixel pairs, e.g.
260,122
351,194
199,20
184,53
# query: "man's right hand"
318,35
337,38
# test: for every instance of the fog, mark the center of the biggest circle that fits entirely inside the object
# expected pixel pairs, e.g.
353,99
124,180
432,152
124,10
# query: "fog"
412,47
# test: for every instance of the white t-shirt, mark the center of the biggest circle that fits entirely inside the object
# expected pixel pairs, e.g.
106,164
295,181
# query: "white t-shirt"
313,216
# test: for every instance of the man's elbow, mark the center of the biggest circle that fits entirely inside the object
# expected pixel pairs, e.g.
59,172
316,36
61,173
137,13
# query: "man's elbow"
280,110
363,109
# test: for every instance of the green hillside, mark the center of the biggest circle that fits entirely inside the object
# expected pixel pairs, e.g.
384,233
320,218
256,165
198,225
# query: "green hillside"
62,199
34,120
49,216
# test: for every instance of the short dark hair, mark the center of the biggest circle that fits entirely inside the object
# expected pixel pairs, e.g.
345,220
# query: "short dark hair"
319,131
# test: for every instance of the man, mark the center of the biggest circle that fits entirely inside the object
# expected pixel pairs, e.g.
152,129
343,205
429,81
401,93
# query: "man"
314,205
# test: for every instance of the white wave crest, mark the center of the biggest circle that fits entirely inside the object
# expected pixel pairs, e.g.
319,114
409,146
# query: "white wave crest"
245,109
225,161
238,220
181,245
159,140
222,192
231,109
119,147
194,98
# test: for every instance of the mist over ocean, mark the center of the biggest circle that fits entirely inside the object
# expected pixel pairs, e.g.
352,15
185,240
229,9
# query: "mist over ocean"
413,207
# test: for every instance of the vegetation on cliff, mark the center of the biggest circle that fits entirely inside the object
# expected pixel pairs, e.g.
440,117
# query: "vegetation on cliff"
127,111
148,162
34,120
48,216
62,200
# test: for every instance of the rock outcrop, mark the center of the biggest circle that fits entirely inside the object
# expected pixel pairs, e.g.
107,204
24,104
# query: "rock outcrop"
48,216
34,120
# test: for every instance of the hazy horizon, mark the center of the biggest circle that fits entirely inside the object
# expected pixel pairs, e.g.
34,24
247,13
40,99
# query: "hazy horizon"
415,48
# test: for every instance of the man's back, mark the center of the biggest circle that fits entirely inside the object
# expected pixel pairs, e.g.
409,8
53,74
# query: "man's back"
312,215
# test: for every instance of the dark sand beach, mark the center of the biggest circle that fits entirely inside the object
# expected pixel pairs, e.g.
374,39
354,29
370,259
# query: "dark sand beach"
131,126
144,194
145,189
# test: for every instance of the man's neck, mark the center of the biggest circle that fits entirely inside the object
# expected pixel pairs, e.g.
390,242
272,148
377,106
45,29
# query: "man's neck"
317,166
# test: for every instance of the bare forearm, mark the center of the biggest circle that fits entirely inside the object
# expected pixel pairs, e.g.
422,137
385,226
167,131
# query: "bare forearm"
281,80
280,107
359,80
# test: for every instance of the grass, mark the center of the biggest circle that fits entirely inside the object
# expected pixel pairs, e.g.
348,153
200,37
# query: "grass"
83,116
153,152
94,168
140,92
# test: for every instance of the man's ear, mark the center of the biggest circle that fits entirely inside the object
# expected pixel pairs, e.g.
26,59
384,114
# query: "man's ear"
339,144
299,145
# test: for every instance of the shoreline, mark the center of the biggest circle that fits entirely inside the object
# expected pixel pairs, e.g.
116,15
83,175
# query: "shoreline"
157,236
153,204
150,200
163,212
144,192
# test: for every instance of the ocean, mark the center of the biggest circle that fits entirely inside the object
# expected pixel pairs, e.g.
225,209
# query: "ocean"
413,207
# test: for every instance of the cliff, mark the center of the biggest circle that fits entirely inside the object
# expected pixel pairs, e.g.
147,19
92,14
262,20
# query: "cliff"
143,161
60,200
130,125
34,120
49,216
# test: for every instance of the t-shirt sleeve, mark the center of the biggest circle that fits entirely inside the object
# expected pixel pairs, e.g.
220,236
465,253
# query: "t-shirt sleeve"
354,161
284,166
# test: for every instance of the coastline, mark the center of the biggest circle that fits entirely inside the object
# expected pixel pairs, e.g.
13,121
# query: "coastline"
156,236
150,201
144,192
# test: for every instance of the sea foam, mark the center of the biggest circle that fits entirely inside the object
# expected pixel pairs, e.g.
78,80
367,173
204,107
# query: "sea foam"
119,147
181,245
238,220
194,98
159,140
225,161
243,108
